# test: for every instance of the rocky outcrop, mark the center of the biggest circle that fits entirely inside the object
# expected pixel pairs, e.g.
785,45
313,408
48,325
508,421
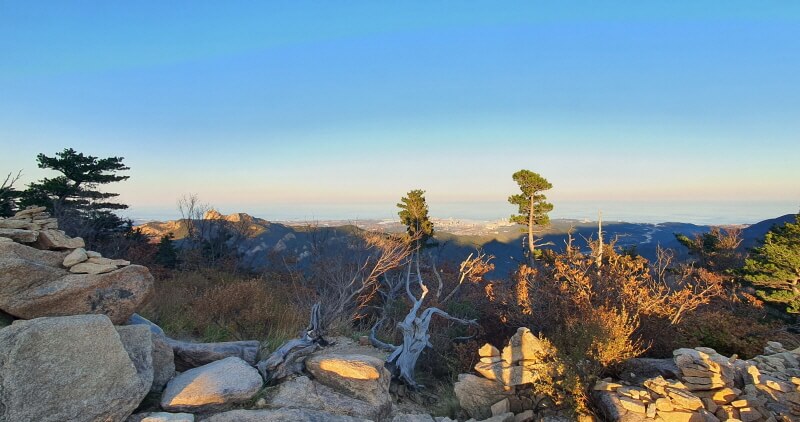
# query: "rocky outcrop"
361,377
192,355
280,415
507,390
711,387
72,368
33,283
304,393
214,386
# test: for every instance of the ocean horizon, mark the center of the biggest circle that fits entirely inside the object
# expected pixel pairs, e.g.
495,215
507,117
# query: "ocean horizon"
653,212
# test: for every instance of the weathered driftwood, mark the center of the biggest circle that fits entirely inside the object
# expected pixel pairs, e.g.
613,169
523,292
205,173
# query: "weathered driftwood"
402,359
289,358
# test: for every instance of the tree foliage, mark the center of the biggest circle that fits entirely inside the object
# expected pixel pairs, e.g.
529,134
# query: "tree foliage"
532,204
74,196
414,215
717,250
774,267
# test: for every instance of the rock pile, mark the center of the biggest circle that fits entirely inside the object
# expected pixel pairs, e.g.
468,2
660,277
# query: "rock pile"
712,387
505,391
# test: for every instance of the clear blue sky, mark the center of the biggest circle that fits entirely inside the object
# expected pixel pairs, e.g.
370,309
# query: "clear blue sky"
309,107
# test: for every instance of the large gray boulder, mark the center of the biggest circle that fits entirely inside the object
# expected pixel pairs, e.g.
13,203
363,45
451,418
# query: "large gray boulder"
280,415
305,393
33,284
359,376
192,355
71,368
138,343
215,386
163,362
476,395
163,356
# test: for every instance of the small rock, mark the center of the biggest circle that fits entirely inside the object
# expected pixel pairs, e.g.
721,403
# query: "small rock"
487,350
90,268
214,386
75,257
500,408
633,405
526,416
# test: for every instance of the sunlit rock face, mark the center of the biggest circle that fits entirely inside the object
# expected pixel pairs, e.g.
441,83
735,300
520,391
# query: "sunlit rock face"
359,376
217,385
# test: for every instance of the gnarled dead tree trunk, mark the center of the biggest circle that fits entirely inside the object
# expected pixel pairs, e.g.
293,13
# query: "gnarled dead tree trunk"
289,358
403,358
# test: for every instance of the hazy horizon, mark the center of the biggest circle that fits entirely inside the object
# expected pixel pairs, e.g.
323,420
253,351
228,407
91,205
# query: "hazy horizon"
695,212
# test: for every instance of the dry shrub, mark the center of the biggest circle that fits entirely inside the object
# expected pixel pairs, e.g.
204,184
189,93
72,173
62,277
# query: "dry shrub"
247,310
212,305
598,309
737,323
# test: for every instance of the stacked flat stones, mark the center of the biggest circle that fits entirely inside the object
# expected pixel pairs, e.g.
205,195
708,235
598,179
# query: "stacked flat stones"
712,387
505,389
34,226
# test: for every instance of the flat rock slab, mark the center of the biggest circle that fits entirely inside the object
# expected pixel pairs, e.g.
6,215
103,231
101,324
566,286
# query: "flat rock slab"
214,386
56,240
193,355
362,377
66,369
33,284
305,393
281,415
161,417
19,235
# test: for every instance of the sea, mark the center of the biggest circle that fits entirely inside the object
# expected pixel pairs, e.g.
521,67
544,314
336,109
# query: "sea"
695,212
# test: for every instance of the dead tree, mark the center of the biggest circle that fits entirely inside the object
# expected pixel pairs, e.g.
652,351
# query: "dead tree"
415,326
290,357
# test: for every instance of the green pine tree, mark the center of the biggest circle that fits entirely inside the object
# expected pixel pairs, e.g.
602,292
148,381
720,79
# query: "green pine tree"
532,203
774,267
414,215
74,194
166,254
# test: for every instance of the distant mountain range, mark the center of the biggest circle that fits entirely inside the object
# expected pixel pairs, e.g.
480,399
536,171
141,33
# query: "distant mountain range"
456,239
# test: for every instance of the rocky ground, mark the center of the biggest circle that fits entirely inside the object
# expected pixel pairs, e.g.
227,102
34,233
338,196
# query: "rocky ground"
75,350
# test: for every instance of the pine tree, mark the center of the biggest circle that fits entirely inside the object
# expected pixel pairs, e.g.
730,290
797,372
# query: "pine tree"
414,215
74,195
774,267
532,203
166,255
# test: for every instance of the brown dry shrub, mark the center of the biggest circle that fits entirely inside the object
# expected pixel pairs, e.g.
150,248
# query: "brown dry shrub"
212,305
247,310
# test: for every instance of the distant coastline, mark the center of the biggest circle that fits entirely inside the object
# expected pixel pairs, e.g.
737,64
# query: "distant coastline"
653,212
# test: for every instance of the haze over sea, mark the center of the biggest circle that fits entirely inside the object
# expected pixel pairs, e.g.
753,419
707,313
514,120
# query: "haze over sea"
695,212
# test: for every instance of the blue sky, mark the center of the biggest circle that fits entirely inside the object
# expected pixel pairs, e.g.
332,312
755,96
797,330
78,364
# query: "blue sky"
323,108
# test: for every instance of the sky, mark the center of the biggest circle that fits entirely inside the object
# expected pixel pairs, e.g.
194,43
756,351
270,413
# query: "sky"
314,110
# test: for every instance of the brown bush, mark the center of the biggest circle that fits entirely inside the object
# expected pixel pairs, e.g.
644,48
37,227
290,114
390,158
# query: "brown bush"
212,305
